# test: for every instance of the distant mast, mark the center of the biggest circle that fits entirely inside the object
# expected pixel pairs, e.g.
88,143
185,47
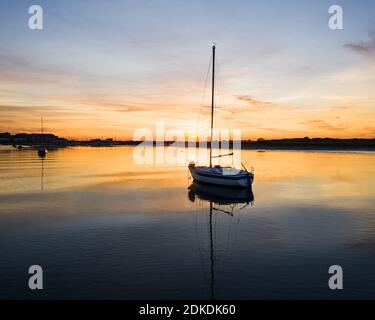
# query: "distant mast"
42,151
212,100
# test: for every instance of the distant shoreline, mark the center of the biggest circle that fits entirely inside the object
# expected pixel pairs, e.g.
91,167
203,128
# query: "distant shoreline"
315,149
308,144
326,144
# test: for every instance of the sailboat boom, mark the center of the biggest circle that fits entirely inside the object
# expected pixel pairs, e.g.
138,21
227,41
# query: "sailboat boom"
223,155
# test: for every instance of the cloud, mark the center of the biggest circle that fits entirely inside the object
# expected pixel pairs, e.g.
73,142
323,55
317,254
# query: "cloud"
258,105
366,48
42,76
129,108
102,102
280,130
323,125
24,109
370,131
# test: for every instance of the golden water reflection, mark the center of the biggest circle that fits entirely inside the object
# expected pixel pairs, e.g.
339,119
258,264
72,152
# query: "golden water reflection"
335,178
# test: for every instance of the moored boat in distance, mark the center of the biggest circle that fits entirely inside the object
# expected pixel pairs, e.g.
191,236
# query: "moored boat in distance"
217,175
42,151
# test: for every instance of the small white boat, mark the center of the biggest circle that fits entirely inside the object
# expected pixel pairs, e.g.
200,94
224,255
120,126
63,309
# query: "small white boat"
217,175
222,176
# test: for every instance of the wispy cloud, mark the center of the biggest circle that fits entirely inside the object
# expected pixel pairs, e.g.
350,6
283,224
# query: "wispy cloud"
369,131
366,48
323,125
262,106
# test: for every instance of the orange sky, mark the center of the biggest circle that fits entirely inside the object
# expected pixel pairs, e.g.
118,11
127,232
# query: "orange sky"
105,76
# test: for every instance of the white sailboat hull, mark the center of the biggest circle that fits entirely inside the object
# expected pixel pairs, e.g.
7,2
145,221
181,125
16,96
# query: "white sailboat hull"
222,177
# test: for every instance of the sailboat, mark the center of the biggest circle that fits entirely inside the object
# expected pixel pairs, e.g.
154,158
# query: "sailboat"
41,150
217,175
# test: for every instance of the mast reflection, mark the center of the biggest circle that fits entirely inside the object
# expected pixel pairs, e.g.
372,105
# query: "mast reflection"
218,196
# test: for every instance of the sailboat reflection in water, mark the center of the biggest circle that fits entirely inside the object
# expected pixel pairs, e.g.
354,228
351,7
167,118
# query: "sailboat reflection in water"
222,200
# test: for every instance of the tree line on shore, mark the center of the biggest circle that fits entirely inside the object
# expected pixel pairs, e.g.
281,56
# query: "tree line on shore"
37,139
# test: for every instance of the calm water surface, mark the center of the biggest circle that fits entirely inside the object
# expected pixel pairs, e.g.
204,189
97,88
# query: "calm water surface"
103,227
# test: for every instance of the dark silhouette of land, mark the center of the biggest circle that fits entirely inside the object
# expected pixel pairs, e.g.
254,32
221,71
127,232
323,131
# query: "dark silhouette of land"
311,144
53,141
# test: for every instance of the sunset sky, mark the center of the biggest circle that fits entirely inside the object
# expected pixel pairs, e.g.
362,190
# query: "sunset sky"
105,68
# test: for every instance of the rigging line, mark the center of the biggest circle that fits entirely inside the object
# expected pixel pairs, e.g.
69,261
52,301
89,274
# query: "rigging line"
223,96
217,95
202,263
237,225
229,232
203,95
220,90
214,233
217,120
231,241
220,121
229,119
212,257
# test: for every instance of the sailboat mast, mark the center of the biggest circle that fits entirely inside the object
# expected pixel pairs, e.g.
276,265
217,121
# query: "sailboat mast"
212,101
41,123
